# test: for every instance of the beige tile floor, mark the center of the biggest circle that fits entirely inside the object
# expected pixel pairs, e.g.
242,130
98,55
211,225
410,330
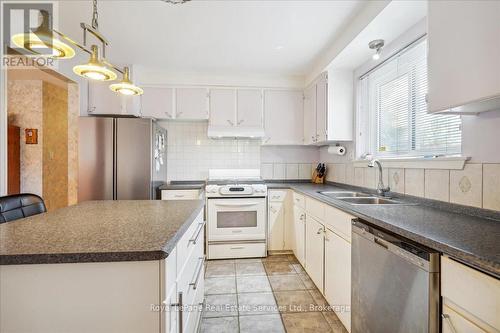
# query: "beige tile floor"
271,295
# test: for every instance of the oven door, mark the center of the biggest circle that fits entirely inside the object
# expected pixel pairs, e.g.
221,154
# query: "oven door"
231,219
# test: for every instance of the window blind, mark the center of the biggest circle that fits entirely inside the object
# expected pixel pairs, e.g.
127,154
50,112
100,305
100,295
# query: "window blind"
393,98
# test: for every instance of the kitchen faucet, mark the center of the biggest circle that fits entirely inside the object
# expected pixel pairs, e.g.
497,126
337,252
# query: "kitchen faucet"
381,189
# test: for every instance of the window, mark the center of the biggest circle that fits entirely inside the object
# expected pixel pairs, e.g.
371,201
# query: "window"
393,111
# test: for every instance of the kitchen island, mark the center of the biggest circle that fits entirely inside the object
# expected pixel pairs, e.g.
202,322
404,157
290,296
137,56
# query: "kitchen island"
103,266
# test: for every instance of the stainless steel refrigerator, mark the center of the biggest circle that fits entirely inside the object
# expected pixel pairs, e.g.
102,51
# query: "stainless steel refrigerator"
120,158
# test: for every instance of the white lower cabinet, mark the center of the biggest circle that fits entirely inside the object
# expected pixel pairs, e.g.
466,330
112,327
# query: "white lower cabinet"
180,194
276,225
315,245
454,322
338,276
299,232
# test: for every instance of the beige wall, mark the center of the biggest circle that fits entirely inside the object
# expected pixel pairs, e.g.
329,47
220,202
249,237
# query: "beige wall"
49,168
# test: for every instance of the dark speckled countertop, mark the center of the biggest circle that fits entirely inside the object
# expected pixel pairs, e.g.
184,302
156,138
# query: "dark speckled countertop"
98,231
471,239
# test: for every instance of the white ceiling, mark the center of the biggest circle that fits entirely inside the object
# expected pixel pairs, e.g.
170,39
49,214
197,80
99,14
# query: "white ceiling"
224,37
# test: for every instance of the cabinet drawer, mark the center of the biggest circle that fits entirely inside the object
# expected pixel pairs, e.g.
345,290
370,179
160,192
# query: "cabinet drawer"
192,237
299,200
453,322
278,196
315,208
241,250
471,290
339,222
180,194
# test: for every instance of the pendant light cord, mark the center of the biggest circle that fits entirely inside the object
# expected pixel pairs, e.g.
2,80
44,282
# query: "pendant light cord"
95,15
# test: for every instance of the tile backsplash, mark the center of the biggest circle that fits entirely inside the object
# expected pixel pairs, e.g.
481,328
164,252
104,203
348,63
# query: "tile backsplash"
478,184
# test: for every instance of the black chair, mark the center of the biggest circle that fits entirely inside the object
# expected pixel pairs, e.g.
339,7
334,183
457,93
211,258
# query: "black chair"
18,206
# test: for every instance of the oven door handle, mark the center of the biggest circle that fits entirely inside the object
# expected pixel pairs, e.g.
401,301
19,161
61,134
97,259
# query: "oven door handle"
244,204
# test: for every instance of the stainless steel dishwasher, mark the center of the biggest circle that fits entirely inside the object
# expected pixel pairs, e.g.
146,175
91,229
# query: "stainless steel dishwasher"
395,284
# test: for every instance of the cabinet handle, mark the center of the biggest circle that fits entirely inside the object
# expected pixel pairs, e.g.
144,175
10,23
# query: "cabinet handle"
320,231
236,248
197,233
230,122
448,321
179,196
267,140
241,121
272,210
91,109
179,305
194,283
302,216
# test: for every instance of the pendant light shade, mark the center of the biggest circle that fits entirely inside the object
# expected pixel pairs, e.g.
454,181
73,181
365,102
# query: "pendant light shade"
42,41
95,69
126,87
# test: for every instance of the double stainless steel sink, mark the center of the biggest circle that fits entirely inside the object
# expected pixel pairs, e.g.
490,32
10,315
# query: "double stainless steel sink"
360,198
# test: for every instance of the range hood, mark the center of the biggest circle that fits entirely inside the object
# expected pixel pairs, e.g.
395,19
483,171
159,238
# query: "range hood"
235,132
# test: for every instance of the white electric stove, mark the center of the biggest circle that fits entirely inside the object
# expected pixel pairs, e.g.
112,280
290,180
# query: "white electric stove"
236,210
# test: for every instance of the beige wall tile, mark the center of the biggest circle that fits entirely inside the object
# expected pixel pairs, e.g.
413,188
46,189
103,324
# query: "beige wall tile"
466,186
292,171
491,186
359,176
305,171
369,178
338,172
278,171
437,184
414,182
397,180
349,174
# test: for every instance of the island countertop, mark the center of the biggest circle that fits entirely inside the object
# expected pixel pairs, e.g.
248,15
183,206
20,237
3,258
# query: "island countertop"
98,231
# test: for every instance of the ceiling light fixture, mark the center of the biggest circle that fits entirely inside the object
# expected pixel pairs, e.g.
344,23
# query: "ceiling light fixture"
126,87
377,45
175,2
42,39
95,69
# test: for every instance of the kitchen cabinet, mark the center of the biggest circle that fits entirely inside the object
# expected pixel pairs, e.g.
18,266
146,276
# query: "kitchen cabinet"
236,113
276,227
472,295
157,103
338,276
191,103
222,107
249,108
315,232
284,117
321,109
310,115
463,77
299,232
101,100
180,194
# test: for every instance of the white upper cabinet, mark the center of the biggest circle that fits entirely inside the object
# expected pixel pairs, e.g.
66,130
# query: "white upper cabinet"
158,103
463,56
310,115
101,100
222,107
236,113
250,108
321,109
191,103
284,116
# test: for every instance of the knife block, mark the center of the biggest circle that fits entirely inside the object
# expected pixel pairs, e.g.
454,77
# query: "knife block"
317,179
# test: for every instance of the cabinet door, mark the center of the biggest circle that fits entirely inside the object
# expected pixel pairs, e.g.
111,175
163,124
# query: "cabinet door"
222,107
157,103
250,108
299,226
191,103
101,100
338,276
284,117
276,226
321,109
454,322
459,74
315,250
310,115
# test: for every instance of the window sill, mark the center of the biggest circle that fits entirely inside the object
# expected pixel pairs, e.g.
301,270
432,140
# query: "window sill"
448,163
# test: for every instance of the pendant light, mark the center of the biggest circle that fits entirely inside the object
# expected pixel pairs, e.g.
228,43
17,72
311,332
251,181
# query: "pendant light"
42,40
126,87
95,69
